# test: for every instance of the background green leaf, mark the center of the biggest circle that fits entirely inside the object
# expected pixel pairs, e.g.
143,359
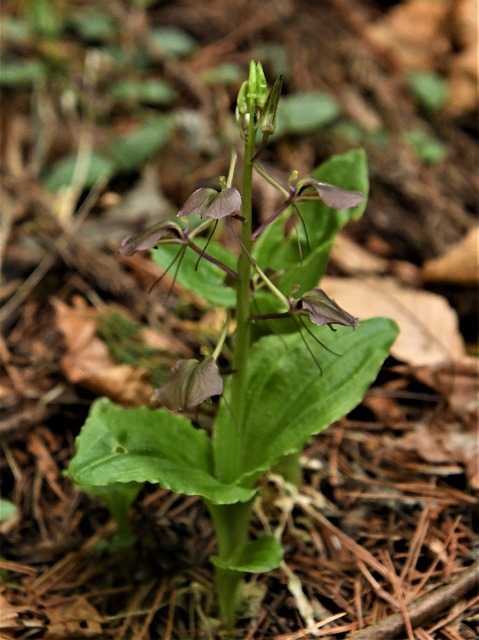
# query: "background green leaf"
208,280
118,445
288,399
14,74
429,89
426,147
303,112
171,42
133,149
61,174
257,556
147,90
7,510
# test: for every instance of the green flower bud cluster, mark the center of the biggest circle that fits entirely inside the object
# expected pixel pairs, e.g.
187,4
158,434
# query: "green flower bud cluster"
256,100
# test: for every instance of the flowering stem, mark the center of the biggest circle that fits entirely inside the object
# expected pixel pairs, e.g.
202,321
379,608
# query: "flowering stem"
231,521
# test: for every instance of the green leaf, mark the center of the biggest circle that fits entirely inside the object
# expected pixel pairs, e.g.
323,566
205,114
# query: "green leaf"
226,73
93,24
303,112
288,399
208,280
429,89
14,31
133,149
45,18
118,445
426,147
275,251
258,556
8,510
61,174
149,91
14,74
171,42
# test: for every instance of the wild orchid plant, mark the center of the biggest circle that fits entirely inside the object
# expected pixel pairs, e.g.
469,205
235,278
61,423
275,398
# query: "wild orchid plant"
291,376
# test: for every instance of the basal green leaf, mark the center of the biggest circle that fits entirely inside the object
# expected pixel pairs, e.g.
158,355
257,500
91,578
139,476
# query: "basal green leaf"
208,280
258,556
288,399
118,445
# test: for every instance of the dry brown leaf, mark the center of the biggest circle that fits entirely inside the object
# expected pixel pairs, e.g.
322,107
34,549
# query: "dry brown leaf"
429,331
87,360
412,33
458,382
9,614
77,619
448,444
459,264
464,67
351,258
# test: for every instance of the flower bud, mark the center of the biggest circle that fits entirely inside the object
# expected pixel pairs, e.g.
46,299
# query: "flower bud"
261,86
268,117
241,101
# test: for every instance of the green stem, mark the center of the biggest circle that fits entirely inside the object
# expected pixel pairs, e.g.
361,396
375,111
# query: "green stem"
290,468
229,467
231,521
231,527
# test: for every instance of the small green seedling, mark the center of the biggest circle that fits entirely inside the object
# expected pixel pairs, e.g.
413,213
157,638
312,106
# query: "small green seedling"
299,362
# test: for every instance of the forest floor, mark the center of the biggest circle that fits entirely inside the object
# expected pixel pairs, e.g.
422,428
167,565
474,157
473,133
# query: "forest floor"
381,539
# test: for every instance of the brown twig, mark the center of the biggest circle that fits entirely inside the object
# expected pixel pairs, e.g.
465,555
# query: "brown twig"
424,608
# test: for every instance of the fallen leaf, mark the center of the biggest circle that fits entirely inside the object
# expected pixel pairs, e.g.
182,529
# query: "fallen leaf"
429,331
412,33
352,259
87,360
77,619
9,614
444,444
458,382
464,70
459,264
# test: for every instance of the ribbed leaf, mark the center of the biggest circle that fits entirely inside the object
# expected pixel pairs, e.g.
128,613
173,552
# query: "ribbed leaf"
141,445
275,251
288,399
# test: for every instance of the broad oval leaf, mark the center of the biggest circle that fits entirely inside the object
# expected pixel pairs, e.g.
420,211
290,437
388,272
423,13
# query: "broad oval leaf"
143,445
288,399
258,556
